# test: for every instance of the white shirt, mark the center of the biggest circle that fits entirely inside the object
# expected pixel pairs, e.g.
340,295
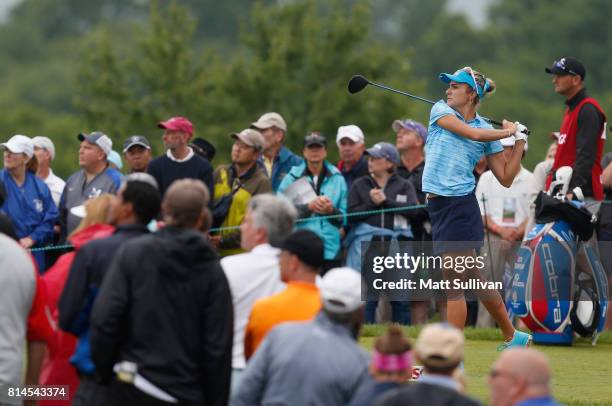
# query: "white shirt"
507,207
251,276
187,158
55,185
540,172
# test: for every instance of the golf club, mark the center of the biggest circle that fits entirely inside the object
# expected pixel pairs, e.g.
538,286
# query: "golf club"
358,83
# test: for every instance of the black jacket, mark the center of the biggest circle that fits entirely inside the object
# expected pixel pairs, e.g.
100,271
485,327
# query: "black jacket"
590,123
166,306
357,171
420,215
359,200
86,274
425,394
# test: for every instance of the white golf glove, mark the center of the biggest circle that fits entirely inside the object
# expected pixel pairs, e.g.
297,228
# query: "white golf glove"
521,132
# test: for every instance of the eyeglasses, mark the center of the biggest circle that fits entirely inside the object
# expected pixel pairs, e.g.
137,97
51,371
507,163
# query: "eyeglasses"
561,65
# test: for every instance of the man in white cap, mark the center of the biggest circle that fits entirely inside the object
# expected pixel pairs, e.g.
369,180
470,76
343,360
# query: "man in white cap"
93,179
235,184
505,213
45,153
276,159
312,363
439,348
351,144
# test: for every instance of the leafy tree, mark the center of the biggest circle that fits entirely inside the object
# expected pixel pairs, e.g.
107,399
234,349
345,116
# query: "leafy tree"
298,62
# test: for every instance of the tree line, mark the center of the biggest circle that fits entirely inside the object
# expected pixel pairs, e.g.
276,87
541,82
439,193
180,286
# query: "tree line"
122,65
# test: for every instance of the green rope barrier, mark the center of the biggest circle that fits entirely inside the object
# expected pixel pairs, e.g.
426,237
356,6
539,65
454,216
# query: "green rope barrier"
302,220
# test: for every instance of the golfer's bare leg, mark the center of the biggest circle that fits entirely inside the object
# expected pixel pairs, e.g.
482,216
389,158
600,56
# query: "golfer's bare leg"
457,308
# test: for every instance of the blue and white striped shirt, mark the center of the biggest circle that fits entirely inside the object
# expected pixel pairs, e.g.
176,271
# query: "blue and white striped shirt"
450,158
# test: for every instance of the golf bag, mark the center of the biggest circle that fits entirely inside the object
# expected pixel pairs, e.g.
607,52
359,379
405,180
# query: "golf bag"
559,286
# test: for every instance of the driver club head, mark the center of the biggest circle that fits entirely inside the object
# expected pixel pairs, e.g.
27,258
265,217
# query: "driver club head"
357,83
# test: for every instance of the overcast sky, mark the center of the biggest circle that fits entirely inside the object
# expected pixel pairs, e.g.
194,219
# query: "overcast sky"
5,5
475,10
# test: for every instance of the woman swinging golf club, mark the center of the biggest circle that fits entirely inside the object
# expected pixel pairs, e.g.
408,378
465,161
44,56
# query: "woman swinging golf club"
458,137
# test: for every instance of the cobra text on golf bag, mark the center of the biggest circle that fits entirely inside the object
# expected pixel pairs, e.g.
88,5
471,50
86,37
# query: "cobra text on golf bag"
559,286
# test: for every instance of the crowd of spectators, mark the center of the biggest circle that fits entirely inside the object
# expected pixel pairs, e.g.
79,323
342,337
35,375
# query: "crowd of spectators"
188,285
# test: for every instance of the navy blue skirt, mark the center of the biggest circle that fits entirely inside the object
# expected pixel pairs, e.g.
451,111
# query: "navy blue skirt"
456,223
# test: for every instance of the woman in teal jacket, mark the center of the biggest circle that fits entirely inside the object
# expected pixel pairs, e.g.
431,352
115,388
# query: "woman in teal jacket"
317,189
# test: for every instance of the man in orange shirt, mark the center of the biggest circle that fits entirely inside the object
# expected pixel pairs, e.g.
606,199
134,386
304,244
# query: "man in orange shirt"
300,262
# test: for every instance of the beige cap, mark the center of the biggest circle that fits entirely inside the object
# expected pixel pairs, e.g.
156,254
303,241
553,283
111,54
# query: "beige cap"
252,138
440,345
269,120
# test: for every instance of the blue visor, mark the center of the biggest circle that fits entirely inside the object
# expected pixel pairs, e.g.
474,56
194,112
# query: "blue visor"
462,76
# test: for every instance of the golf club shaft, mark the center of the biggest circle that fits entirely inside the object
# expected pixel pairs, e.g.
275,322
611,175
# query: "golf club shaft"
423,99
402,93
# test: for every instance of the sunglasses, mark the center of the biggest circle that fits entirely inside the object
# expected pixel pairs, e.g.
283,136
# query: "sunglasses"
478,87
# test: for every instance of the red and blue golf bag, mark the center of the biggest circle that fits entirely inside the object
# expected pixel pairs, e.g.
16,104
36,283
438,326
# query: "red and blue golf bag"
559,286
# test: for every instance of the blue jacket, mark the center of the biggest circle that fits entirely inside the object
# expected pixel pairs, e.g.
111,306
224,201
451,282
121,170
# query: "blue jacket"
31,210
364,233
334,187
283,162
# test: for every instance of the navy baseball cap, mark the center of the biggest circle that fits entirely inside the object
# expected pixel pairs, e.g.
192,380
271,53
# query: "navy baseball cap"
384,150
307,246
315,139
567,66
136,140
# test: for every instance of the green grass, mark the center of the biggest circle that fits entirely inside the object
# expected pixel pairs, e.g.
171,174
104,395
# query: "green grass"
582,374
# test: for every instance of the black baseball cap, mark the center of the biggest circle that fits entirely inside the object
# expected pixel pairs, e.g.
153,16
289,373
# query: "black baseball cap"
567,66
204,148
305,245
136,140
315,139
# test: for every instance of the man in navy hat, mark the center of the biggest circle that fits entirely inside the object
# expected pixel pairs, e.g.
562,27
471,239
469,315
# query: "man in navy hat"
582,136
137,153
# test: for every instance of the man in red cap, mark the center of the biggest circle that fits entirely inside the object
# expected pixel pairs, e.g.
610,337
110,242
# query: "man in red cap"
180,161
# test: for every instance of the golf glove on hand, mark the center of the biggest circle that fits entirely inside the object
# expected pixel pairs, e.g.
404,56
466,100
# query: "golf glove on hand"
521,132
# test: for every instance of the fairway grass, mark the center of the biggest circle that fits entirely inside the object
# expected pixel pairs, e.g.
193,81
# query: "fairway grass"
582,374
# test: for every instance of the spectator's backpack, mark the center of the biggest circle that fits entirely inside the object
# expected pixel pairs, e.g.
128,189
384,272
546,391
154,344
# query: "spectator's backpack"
553,294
